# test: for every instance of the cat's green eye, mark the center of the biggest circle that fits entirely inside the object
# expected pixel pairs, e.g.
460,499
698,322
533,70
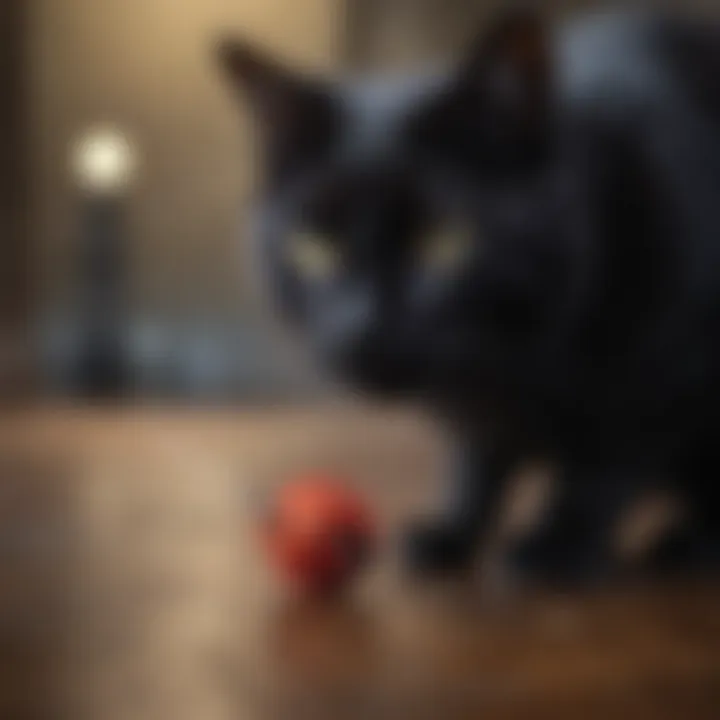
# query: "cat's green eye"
445,249
312,255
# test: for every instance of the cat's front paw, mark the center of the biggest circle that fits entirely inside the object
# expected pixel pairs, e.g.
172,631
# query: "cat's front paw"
549,559
436,549
685,551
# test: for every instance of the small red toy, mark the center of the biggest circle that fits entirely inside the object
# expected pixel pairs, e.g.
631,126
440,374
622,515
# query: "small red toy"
319,533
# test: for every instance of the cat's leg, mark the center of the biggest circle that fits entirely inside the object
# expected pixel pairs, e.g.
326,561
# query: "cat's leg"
450,542
686,550
573,543
693,546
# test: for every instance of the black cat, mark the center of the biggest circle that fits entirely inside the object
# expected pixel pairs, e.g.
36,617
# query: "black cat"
529,243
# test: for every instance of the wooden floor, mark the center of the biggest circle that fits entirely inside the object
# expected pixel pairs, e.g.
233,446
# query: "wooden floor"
131,587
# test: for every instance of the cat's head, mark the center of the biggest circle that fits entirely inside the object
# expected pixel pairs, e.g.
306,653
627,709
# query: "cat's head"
406,224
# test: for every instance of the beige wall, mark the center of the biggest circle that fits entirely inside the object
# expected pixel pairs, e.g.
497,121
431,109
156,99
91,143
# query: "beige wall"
146,66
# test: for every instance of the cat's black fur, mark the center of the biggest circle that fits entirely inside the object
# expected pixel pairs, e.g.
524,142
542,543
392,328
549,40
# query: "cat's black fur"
582,326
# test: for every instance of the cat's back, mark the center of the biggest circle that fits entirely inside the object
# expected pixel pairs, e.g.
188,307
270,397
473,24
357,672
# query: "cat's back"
606,60
620,60
620,68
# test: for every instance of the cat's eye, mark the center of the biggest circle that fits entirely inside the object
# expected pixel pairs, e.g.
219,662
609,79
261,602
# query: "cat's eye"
445,249
312,255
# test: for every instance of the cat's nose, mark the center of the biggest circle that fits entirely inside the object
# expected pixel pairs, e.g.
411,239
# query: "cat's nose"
363,349
352,326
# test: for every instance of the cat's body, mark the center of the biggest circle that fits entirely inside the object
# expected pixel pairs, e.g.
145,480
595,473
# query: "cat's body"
579,320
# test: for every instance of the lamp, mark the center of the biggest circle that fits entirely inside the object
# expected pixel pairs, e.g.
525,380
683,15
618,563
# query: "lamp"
103,166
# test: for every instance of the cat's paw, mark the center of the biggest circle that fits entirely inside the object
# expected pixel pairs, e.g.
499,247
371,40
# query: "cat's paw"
684,551
549,559
437,550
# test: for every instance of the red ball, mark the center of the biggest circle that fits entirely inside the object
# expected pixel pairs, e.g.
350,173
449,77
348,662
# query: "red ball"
319,533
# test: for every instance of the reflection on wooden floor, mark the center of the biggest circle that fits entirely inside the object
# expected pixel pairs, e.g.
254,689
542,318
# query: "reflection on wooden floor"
130,587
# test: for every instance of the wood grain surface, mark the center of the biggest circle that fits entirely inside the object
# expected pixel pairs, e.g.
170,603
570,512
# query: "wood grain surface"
132,586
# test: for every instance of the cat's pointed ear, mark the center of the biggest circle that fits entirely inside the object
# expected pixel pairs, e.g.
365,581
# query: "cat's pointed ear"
509,67
295,113
273,91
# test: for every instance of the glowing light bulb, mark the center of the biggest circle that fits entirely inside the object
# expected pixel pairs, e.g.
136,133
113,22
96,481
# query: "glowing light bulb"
103,162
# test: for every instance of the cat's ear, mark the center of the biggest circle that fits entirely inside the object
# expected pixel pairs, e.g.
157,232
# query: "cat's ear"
496,112
271,89
294,112
510,65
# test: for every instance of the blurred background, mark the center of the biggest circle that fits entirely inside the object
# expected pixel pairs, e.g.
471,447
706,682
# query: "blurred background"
130,586
125,174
